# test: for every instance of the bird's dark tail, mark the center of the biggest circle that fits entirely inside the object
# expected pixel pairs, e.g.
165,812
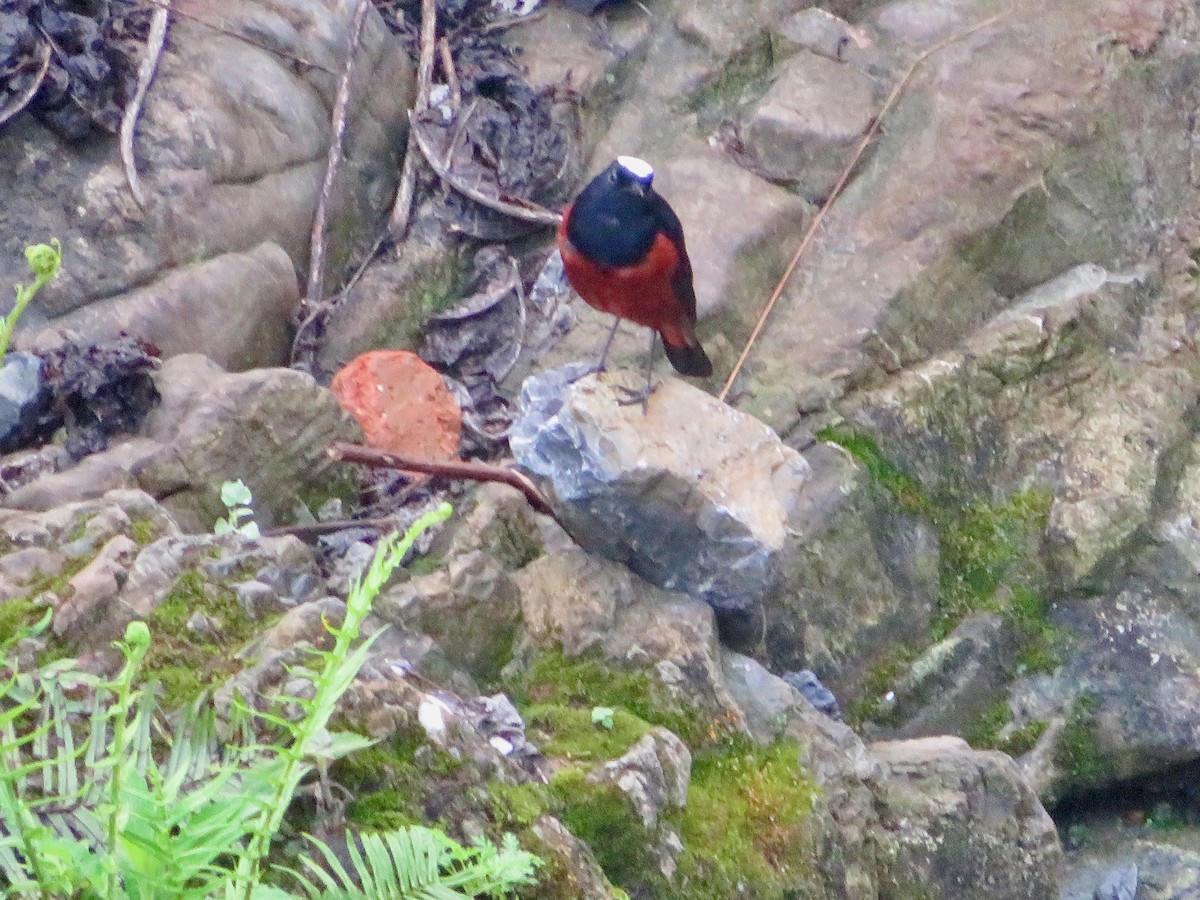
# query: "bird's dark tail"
689,360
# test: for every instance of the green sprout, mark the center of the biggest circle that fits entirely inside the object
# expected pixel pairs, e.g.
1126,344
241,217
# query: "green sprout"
603,715
240,503
45,260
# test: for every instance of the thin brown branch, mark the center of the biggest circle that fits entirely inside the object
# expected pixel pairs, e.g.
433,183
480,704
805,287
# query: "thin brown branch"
402,208
333,160
837,190
156,40
19,101
523,210
447,58
244,38
470,471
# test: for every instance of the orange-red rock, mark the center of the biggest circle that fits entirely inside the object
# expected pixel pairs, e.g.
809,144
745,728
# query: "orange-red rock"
402,404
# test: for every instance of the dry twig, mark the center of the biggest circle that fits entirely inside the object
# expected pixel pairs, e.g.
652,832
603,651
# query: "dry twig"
244,38
837,190
518,209
316,262
471,471
402,208
447,58
155,42
19,101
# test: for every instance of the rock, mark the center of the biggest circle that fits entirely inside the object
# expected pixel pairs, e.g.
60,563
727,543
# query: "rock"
78,529
808,123
268,427
94,589
810,687
1121,884
234,308
1155,869
1126,698
471,609
217,181
690,496
555,843
821,32
653,774
23,399
93,476
949,686
20,568
584,606
401,404
962,823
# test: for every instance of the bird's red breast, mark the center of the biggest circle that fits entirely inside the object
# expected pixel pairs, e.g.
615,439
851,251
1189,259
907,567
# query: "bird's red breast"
623,252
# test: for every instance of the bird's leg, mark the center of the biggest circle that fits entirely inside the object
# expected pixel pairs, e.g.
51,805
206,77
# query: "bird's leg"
643,396
600,366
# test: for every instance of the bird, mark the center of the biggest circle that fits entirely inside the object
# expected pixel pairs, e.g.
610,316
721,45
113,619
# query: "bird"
623,252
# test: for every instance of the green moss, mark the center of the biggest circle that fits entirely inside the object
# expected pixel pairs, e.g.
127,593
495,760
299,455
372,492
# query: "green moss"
434,288
390,780
17,617
517,806
142,531
992,731
382,810
743,80
186,662
904,489
1041,645
569,732
881,678
1077,754
552,679
981,544
747,826
514,542
601,815
424,565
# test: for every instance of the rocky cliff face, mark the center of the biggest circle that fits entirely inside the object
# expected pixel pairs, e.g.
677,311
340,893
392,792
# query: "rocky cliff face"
955,478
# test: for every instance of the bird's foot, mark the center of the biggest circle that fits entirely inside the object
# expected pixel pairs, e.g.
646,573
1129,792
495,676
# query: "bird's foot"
635,395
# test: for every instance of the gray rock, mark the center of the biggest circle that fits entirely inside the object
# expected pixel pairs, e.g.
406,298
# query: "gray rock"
1147,869
268,427
233,308
821,32
93,476
472,610
1121,884
20,567
23,399
809,685
807,124
93,591
691,496
218,182
582,604
962,823
1127,696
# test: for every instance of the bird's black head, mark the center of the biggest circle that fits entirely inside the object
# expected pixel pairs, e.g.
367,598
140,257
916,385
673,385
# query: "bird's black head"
613,220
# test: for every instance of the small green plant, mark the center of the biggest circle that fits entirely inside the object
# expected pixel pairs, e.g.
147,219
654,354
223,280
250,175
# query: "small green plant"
240,503
45,260
98,798
603,716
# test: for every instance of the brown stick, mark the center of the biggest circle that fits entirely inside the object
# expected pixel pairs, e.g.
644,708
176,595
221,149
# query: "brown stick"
837,190
527,212
155,42
19,101
402,208
447,58
316,262
471,471
244,38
